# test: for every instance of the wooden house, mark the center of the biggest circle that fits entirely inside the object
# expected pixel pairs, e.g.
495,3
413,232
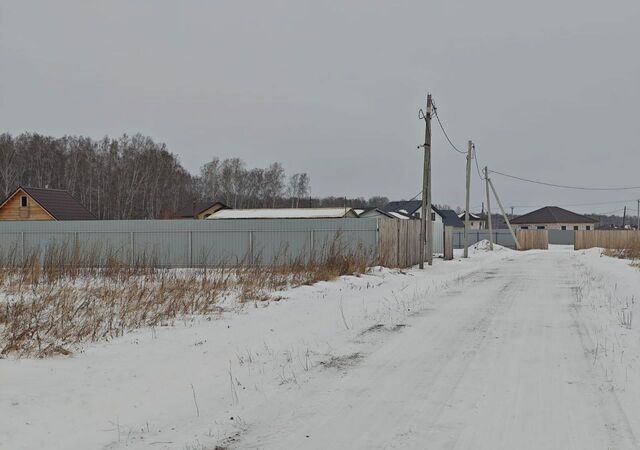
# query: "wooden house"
27,203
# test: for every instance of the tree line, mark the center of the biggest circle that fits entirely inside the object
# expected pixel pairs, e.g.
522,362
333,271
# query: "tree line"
134,177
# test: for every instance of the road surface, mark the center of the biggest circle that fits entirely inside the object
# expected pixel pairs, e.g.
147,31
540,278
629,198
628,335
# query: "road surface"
503,361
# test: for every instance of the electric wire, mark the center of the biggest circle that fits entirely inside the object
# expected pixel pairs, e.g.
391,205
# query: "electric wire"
475,157
435,113
564,186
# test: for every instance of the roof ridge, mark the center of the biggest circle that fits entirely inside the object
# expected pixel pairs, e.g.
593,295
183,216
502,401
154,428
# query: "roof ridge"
44,189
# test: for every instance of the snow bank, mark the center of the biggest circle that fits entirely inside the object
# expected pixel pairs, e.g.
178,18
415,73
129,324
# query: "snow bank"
195,385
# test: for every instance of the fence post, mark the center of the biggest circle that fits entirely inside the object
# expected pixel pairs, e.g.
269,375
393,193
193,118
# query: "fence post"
377,245
407,263
397,242
190,248
132,251
312,245
447,243
251,247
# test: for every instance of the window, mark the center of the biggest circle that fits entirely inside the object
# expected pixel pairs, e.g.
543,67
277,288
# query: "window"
563,227
575,227
588,227
433,217
524,228
540,227
23,201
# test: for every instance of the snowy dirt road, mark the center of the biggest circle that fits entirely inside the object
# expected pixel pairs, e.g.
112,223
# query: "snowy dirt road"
503,362
506,350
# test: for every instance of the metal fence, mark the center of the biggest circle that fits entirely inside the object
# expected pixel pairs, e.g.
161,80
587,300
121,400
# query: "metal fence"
562,237
190,243
501,237
194,243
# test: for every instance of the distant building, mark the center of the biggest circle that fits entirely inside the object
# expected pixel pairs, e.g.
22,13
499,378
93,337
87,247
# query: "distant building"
378,213
476,222
283,213
553,218
413,208
27,203
199,210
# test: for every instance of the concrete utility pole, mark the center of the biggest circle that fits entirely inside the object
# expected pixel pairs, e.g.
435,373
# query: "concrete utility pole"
624,217
466,207
426,229
486,182
506,219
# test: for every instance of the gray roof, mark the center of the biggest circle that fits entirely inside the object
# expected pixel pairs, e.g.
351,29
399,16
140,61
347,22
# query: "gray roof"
552,214
409,206
450,218
60,204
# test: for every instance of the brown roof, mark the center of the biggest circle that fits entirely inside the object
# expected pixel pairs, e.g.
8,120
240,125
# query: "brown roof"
552,214
60,204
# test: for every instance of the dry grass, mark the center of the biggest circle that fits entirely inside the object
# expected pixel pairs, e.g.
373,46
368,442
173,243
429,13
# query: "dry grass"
630,251
50,306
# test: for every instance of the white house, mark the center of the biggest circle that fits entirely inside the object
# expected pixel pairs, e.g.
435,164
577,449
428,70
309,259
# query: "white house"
475,221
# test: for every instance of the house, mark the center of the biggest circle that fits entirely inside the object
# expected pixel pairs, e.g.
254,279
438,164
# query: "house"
283,213
409,208
553,218
476,222
27,203
199,210
449,218
412,209
377,213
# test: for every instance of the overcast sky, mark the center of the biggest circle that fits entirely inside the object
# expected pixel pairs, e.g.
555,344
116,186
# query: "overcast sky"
547,90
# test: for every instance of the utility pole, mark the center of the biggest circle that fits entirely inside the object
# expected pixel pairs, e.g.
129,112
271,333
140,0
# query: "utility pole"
486,181
638,226
506,219
512,212
624,216
426,229
466,207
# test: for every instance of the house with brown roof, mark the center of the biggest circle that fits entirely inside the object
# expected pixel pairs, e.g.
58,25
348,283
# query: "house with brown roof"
553,218
27,203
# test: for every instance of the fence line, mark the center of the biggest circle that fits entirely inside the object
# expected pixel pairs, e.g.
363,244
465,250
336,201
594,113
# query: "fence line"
610,239
399,242
208,243
533,239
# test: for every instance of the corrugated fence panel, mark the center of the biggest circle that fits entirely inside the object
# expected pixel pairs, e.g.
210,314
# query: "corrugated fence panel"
11,245
217,248
192,242
562,237
438,238
99,250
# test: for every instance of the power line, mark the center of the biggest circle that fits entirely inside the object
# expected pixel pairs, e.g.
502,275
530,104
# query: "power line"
613,202
435,113
475,157
608,212
625,188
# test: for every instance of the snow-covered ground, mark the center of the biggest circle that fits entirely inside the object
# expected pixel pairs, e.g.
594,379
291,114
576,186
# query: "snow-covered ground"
505,350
